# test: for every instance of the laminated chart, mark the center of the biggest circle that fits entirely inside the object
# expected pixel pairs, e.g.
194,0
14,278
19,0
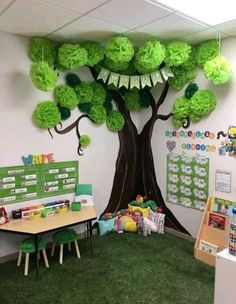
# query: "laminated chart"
22,183
187,180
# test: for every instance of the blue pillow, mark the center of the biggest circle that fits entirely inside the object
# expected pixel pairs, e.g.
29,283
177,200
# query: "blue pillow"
107,226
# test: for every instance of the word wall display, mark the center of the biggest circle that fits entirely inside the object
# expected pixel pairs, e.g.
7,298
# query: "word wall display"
22,183
187,180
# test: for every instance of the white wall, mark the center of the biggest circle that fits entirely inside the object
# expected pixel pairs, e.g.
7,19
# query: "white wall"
18,99
220,119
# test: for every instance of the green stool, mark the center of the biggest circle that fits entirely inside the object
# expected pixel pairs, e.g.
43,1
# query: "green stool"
63,237
27,246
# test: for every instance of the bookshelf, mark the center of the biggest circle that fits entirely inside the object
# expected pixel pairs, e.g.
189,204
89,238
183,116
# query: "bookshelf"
216,237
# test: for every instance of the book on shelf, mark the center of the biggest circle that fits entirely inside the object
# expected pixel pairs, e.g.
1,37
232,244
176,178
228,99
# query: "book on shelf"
208,247
217,220
222,206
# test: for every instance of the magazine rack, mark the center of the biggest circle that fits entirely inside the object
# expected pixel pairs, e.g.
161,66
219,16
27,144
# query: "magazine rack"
212,235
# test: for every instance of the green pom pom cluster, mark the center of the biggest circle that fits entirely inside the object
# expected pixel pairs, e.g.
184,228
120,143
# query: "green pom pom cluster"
98,114
180,78
190,90
181,108
42,49
115,121
65,112
43,76
119,49
218,70
201,104
207,51
72,80
132,100
178,123
99,94
85,107
72,55
191,63
46,114
149,56
66,96
177,53
145,99
95,53
84,92
84,141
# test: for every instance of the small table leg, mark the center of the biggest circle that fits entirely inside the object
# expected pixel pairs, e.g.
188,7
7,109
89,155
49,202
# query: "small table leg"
36,243
91,236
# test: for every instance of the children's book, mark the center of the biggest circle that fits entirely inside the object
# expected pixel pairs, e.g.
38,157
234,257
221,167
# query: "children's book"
217,220
84,195
222,206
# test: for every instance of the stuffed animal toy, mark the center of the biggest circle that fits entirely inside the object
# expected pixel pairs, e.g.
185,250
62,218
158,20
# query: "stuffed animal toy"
146,226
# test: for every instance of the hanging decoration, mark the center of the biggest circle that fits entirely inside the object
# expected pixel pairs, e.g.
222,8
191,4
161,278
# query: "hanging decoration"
135,81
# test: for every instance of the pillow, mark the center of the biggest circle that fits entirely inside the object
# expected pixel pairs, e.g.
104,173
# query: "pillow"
106,226
131,226
144,211
159,220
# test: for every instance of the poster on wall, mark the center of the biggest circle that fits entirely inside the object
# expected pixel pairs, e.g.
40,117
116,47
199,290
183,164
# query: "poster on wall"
223,181
187,180
22,183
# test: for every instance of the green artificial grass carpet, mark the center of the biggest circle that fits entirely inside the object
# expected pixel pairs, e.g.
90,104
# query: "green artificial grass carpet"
126,269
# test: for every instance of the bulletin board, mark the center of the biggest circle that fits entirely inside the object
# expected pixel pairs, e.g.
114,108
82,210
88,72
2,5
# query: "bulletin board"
22,183
187,180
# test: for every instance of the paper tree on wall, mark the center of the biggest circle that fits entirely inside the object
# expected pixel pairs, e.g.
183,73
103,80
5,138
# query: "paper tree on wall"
123,78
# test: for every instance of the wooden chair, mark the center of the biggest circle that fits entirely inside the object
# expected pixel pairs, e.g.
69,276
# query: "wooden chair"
27,246
62,238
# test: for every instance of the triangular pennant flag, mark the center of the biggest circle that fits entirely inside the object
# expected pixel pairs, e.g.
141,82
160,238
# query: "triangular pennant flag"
124,81
134,82
166,73
156,77
145,81
103,74
113,79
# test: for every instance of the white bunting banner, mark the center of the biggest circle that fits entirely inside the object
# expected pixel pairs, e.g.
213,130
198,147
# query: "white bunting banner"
134,82
124,81
166,73
103,74
113,79
145,81
156,77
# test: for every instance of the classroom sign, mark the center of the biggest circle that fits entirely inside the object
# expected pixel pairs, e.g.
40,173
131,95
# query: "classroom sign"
22,183
187,180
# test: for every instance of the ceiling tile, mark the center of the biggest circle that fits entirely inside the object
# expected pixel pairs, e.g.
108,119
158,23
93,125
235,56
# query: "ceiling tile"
227,27
25,17
4,5
171,27
88,28
138,38
77,5
201,36
129,14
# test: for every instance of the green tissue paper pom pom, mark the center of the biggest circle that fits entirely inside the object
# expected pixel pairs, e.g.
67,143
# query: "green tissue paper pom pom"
65,112
179,80
132,100
181,108
149,56
99,93
46,114
98,114
95,53
85,107
72,80
119,49
42,49
206,51
191,63
190,90
116,66
115,121
218,70
72,55
178,123
84,92
66,96
191,75
85,141
108,106
177,53
201,104
43,76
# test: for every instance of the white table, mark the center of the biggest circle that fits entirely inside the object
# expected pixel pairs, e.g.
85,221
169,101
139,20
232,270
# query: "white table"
225,278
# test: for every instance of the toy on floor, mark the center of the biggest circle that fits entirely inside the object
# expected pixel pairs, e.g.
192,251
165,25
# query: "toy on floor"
146,226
